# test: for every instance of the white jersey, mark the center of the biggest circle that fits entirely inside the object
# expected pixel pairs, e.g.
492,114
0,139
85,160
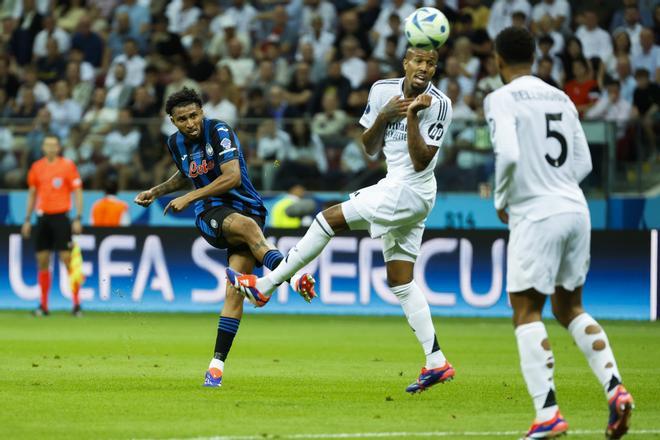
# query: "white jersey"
541,153
433,124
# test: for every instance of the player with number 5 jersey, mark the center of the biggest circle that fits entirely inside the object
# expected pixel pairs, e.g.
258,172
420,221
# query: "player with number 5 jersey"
541,156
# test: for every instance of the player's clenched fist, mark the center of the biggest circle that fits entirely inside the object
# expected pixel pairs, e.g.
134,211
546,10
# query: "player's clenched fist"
145,198
420,103
396,108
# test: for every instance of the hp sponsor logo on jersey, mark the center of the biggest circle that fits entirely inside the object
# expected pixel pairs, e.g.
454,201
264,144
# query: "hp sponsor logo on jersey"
209,149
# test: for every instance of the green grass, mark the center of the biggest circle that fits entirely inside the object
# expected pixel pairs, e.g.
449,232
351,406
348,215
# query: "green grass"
139,376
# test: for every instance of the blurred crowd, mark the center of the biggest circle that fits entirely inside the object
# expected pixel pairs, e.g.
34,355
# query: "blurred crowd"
294,76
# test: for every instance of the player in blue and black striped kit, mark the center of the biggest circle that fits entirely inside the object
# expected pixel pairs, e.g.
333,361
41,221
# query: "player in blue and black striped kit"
229,211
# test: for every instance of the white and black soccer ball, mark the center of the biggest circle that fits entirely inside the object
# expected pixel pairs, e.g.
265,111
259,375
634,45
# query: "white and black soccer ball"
426,28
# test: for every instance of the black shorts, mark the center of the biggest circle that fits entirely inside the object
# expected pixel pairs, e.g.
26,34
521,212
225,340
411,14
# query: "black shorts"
209,224
53,233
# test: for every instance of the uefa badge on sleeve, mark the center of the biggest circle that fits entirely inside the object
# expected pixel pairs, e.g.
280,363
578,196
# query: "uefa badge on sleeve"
226,143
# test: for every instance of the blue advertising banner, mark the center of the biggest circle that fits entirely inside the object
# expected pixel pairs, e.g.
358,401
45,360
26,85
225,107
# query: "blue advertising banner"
462,273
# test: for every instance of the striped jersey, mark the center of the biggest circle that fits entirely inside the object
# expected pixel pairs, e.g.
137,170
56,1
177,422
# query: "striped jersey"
433,124
200,161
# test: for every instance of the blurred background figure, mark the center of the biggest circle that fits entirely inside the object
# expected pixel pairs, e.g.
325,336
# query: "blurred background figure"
109,211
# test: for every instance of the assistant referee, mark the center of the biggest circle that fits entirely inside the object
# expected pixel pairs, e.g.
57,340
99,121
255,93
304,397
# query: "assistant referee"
51,181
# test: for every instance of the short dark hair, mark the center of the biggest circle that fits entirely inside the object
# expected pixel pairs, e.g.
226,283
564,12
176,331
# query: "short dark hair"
610,81
640,71
546,39
111,186
181,98
515,46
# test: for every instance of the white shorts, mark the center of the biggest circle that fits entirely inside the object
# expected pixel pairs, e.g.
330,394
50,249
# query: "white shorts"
392,211
550,252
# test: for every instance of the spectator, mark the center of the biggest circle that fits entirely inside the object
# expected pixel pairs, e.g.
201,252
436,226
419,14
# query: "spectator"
545,30
64,111
646,102
632,26
453,72
256,109
217,106
34,138
656,23
26,110
317,65
200,30
321,41
27,27
544,70
87,72
395,31
31,81
401,8
144,105
368,12
622,48
51,67
244,15
10,173
119,93
626,78
110,211
120,34
356,165
225,80
349,26
271,51
138,13
121,151
491,79
282,30
649,55
544,51
330,123
583,89
133,63
81,91
334,80
304,159
272,145
301,89
501,12
572,52
618,18
224,30
559,12
199,67
241,67
391,61
181,14
164,45
469,65
69,14
323,8
461,112
264,77
278,106
153,85
612,107
5,105
352,66
8,81
595,41
480,13
357,100
89,42
99,117
50,30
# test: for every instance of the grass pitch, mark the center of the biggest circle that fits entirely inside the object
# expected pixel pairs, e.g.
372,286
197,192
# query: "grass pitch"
139,376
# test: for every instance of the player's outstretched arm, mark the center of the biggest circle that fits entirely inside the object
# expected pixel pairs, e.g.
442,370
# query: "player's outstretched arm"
176,182
229,179
421,154
394,110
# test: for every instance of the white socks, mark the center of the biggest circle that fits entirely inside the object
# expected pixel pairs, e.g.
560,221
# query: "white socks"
593,342
538,367
309,247
418,313
217,363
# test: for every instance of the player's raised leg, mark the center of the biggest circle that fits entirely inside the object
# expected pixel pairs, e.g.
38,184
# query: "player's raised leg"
592,340
324,227
537,363
229,321
416,308
242,230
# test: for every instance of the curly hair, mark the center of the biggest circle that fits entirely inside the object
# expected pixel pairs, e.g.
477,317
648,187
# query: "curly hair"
515,45
181,98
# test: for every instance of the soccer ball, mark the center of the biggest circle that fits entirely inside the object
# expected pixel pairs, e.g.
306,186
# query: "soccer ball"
426,28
